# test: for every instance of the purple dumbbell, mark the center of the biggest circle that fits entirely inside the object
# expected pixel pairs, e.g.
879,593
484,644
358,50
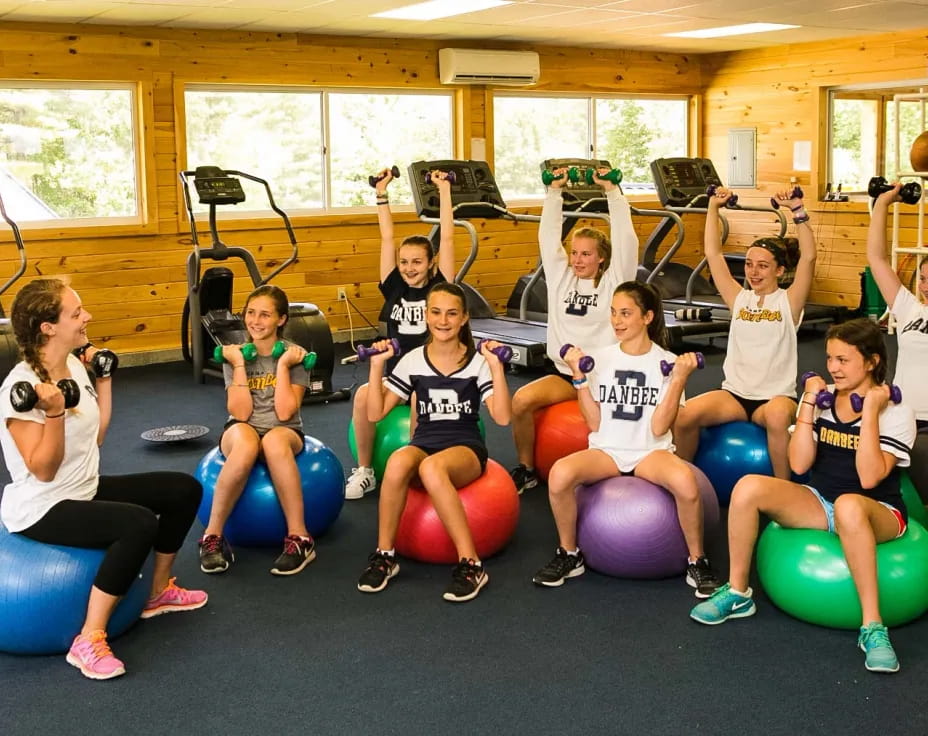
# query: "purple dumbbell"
452,177
732,201
503,352
895,395
666,367
364,352
795,194
824,399
586,364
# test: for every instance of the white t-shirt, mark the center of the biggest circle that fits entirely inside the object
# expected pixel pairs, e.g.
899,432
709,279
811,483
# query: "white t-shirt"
763,356
578,312
628,389
912,361
27,499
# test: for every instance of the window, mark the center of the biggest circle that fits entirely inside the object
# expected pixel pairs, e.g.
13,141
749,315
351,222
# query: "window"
317,148
862,129
629,132
68,152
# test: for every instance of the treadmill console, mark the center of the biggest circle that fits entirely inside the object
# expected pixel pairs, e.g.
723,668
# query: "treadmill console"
682,182
215,186
579,191
473,192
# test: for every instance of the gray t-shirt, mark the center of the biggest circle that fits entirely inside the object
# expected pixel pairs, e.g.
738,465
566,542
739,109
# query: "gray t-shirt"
262,381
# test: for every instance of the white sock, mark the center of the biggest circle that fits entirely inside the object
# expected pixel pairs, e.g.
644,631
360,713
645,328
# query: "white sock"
387,552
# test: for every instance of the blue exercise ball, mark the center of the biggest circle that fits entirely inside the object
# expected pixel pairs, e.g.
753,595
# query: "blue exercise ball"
729,451
257,519
44,589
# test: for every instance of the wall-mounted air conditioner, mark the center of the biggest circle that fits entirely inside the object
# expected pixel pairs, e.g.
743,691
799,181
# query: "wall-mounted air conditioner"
477,66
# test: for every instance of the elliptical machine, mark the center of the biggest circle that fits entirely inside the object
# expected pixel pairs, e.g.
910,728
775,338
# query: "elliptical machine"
9,350
209,294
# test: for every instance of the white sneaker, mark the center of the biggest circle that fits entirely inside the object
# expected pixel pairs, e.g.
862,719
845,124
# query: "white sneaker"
361,481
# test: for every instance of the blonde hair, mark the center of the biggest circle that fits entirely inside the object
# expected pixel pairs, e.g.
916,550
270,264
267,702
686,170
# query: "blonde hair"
603,247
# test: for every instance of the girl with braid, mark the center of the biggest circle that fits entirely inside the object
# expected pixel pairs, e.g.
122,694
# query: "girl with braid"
57,495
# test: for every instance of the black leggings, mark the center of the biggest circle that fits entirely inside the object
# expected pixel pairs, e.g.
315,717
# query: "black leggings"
129,516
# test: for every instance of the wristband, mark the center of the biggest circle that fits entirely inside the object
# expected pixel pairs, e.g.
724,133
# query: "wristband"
579,383
808,403
240,385
799,219
797,207
54,416
803,421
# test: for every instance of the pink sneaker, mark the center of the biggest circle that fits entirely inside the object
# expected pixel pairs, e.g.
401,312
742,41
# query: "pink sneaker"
93,656
174,598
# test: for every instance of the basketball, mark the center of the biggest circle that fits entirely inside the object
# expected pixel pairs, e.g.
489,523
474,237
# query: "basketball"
919,153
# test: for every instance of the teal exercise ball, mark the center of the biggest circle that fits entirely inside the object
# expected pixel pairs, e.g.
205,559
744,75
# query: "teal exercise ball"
805,574
727,452
391,434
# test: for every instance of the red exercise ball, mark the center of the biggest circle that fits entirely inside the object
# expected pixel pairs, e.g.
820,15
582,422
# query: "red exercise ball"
560,430
491,505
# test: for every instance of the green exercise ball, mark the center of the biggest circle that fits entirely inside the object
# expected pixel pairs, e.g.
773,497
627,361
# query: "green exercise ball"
913,502
804,573
391,434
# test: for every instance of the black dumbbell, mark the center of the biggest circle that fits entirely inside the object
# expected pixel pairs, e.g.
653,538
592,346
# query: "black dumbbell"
667,368
732,200
503,352
23,395
450,175
372,180
895,395
104,362
364,352
909,193
824,399
797,193
585,364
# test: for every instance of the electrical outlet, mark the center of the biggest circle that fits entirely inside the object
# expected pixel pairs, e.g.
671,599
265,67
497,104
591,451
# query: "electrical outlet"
342,296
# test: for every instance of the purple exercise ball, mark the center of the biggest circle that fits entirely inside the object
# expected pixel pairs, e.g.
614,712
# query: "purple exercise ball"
628,527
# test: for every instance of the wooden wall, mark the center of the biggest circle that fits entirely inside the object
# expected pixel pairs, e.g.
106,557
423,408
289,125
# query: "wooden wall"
781,91
132,279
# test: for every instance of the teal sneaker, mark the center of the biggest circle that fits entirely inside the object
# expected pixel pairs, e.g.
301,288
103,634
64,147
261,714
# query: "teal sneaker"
874,641
723,605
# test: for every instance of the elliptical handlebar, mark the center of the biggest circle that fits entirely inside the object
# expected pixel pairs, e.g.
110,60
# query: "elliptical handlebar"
20,247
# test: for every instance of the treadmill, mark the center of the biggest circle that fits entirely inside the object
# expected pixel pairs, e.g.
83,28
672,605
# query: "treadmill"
681,185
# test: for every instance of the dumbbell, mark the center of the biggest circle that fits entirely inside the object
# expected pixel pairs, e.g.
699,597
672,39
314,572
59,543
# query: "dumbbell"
548,176
451,176
613,175
250,354
586,363
372,180
797,193
693,314
503,352
667,368
895,395
104,362
732,201
23,395
824,399
909,193
364,352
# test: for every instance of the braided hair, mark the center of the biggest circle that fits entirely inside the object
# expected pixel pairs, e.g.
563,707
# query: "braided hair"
37,302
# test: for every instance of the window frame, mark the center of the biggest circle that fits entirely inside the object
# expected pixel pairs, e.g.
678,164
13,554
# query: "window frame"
690,133
141,109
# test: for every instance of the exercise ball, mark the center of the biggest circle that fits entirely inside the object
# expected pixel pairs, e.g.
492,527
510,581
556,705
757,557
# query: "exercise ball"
918,156
805,574
44,589
729,451
491,505
560,430
391,434
911,499
628,527
257,519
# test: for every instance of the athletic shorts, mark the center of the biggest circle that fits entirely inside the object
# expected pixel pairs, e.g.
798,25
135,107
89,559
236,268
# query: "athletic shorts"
479,450
829,509
260,430
749,405
551,370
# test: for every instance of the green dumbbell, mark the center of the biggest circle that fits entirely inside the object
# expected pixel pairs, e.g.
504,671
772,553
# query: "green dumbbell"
548,176
573,174
613,175
250,354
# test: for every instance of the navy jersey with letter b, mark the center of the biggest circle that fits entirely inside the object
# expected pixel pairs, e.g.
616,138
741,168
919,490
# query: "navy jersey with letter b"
448,406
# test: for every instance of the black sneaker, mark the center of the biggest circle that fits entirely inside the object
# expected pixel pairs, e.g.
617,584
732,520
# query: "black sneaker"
297,554
561,567
524,478
379,570
700,575
467,578
215,553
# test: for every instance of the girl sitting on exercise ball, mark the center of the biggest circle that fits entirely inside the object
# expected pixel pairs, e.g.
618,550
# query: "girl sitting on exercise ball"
762,358
406,275
445,381
263,397
853,456
51,443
